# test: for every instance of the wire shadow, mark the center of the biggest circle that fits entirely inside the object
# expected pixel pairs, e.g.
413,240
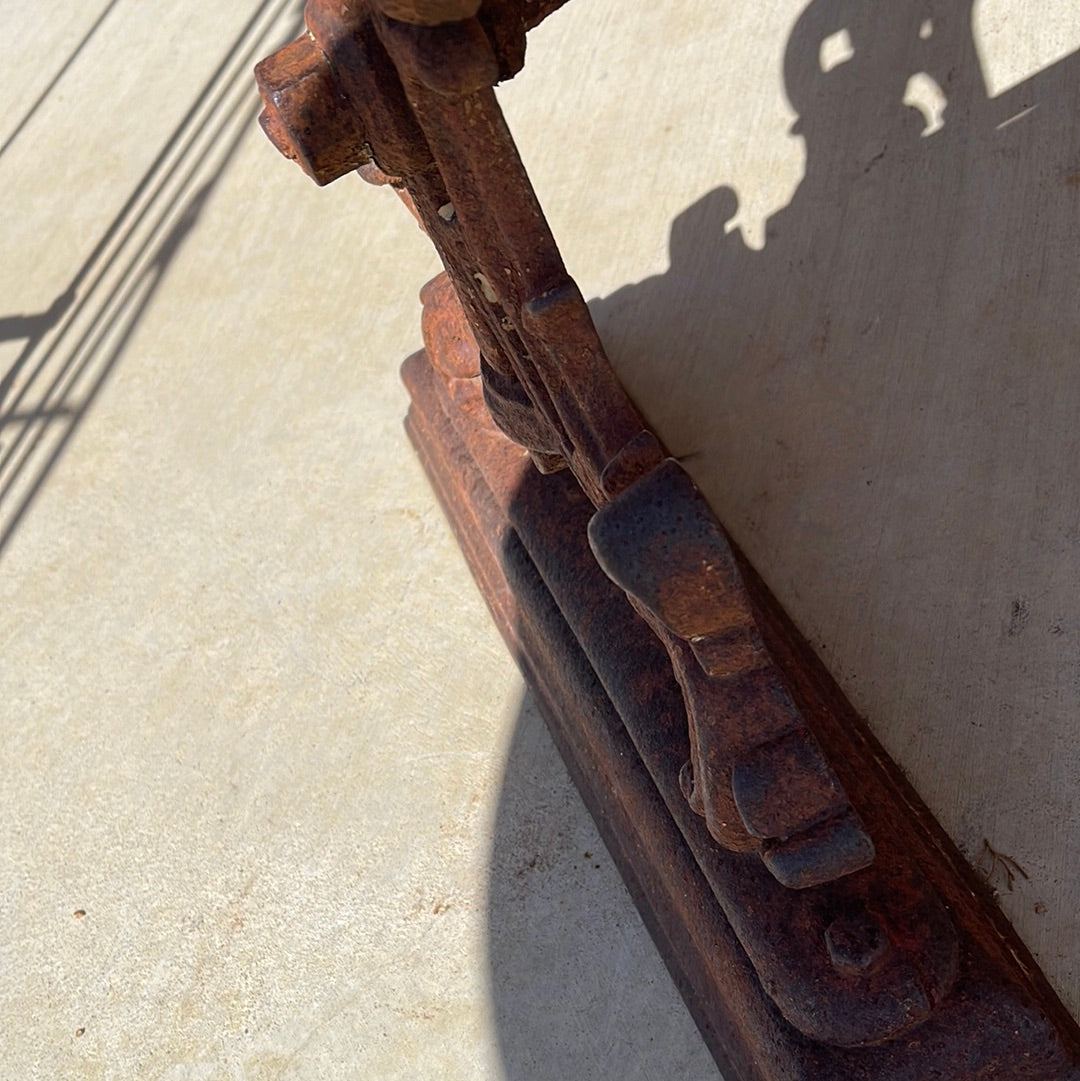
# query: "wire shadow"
60,73
73,346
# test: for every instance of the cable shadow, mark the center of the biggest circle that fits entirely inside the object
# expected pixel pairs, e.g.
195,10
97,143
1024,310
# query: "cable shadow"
73,346
880,404
60,73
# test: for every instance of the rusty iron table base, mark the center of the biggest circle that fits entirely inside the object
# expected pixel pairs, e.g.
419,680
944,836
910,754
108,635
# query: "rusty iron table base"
574,635
818,920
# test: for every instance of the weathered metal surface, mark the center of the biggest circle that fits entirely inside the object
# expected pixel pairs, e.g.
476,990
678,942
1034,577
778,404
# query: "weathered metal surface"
857,930
516,526
428,12
661,543
305,114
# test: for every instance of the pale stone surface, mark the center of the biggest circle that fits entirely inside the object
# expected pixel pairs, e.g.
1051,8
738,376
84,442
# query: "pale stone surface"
256,723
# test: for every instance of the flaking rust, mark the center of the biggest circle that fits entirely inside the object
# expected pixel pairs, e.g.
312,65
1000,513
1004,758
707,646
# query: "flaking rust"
873,952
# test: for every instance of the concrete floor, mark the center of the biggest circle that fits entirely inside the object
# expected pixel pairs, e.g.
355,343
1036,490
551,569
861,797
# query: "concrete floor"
275,803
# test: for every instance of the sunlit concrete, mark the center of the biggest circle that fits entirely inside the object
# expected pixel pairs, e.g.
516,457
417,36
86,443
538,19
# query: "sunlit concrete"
273,805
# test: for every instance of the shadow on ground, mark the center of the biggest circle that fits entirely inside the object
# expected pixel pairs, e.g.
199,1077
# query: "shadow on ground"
72,347
897,363
578,989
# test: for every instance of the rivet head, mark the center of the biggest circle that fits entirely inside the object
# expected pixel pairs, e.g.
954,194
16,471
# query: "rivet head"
857,943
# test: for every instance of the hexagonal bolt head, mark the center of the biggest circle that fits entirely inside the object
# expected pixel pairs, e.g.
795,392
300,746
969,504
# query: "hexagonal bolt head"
306,116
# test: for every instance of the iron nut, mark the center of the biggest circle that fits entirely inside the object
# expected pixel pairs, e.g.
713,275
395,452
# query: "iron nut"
306,115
